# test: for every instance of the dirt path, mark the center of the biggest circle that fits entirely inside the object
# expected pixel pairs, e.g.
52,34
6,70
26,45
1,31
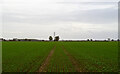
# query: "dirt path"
75,63
46,62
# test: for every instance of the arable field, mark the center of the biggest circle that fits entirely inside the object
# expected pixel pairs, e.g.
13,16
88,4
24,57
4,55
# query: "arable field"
95,56
60,56
24,56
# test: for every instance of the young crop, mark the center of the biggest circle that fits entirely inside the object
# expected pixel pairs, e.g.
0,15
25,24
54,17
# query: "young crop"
90,56
24,56
96,56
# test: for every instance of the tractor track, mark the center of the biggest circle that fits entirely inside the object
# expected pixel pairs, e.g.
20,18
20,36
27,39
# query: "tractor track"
47,60
74,62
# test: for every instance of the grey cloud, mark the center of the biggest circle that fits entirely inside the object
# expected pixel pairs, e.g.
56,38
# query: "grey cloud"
100,16
59,19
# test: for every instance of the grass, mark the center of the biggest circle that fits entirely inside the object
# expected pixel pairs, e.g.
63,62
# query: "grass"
28,56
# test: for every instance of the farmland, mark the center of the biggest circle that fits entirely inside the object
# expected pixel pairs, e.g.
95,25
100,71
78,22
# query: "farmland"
26,56
96,56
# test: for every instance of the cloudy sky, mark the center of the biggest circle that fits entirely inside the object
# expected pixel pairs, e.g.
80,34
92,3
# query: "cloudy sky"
70,19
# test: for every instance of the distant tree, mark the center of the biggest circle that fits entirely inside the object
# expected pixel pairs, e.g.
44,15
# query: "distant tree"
29,40
4,40
88,40
112,40
50,38
56,38
14,39
105,40
26,39
91,40
118,40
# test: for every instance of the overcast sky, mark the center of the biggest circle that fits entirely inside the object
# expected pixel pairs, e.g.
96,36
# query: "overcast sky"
70,19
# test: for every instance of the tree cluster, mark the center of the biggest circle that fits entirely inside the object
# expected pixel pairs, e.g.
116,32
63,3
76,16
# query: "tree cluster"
55,39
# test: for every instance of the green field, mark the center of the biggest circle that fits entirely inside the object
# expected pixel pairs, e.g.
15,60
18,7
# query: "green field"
67,56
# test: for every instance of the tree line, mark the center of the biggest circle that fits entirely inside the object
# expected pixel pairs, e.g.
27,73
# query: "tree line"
56,38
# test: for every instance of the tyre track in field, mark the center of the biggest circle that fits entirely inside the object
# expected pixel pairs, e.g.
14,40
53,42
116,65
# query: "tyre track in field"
74,62
47,60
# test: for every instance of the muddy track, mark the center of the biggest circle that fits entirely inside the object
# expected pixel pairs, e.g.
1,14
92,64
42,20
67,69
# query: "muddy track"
47,60
75,63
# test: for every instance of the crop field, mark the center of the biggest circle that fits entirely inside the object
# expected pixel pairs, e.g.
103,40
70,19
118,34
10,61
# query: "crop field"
24,56
28,56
